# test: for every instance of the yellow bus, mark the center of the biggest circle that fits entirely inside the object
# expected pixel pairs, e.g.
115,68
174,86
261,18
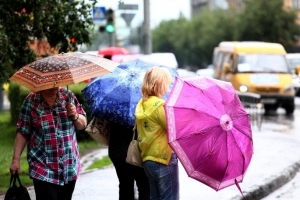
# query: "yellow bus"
257,67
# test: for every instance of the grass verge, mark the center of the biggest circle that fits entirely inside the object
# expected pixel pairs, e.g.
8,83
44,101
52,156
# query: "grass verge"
7,136
98,164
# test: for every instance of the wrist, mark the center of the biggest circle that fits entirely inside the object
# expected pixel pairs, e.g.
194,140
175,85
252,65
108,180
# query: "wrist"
15,159
76,118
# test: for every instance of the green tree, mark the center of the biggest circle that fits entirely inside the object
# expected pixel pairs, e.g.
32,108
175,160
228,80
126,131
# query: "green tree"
268,21
193,41
169,36
207,30
56,21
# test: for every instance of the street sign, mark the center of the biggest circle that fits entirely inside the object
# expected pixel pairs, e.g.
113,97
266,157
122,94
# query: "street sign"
99,13
128,17
128,6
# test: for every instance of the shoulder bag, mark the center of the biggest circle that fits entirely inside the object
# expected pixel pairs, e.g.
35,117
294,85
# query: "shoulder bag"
99,130
133,153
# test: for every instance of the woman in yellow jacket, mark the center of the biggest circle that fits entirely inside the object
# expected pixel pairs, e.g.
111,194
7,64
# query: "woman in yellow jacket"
159,162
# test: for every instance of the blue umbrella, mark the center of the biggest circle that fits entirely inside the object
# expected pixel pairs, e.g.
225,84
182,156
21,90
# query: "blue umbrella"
114,96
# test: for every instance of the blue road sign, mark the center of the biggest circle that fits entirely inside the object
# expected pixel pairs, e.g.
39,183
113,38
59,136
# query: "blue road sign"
99,13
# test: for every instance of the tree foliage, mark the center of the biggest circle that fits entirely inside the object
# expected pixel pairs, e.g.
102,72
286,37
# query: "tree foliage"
193,41
207,30
266,20
170,36
56,21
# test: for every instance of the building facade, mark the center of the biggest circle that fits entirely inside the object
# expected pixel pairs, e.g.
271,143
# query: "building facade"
198,5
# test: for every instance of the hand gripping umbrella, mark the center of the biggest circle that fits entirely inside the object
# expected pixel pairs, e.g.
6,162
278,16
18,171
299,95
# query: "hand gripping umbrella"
209,130
61,70
114,96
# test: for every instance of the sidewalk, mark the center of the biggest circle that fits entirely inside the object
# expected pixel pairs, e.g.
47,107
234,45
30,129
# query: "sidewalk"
275,161
273,164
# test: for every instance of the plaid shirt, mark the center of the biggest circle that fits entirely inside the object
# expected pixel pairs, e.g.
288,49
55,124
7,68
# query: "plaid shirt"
52,150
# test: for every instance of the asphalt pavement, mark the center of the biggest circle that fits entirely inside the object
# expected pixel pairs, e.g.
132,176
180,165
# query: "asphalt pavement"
275,162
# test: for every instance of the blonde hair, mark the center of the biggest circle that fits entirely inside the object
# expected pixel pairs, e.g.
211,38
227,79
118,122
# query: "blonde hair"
156,82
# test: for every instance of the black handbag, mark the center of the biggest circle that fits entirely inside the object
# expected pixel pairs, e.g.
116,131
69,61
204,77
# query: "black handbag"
16,192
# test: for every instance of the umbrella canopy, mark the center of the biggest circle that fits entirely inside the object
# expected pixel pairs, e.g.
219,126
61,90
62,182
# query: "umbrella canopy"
209,130
110,51
62,69
114,96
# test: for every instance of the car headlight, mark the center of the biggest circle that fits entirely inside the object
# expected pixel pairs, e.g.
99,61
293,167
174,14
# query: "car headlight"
288,88
244,88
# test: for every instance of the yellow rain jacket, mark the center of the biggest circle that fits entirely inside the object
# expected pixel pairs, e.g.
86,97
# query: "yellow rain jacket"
152,130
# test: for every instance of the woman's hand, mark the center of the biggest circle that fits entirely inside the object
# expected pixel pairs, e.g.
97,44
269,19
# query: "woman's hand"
15,166
78,120
71,110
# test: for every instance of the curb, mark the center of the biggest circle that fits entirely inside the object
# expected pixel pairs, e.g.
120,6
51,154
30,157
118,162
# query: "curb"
90,158
272,184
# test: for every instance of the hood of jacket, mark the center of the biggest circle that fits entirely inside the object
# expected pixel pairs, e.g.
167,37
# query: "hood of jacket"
144,109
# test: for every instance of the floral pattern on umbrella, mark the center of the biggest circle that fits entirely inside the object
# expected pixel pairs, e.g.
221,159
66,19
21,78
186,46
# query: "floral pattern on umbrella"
62,69
114,96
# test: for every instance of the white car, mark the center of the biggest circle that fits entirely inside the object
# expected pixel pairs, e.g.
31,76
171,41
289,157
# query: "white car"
207,72
294,60
185,73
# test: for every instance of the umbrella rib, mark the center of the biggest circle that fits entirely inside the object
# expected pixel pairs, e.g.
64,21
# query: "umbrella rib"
241,130
228,158
225,172
212,145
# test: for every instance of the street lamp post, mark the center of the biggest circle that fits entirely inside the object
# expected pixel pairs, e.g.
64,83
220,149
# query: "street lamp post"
147,31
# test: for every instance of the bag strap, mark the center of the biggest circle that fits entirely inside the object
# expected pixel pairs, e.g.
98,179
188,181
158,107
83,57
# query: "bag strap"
13,179
18,178
134,130
93,124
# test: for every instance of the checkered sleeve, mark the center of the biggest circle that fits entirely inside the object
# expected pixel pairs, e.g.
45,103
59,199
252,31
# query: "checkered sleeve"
79,107
24,120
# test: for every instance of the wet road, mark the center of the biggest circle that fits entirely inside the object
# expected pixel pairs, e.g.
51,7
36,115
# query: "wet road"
279,122
288,125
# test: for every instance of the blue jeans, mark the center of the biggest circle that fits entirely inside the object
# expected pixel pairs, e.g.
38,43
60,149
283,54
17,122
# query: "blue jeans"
164,179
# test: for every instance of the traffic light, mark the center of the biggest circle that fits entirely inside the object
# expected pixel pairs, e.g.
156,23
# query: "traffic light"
110,21
101,29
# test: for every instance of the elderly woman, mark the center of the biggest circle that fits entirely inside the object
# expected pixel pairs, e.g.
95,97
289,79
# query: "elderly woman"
47,124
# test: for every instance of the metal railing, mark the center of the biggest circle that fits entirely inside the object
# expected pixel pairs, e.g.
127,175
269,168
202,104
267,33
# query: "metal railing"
253,106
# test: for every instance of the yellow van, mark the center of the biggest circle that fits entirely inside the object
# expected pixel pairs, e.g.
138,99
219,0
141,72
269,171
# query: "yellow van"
257,67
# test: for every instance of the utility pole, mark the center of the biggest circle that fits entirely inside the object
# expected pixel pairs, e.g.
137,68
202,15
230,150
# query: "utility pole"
147,31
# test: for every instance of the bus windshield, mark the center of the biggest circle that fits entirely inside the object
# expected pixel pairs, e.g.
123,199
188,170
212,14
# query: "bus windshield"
263,63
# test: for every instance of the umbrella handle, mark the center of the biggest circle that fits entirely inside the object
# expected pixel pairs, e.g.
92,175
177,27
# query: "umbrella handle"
68,93
238,186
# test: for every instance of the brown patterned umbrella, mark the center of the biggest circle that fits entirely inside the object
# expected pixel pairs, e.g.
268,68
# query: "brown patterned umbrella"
61,70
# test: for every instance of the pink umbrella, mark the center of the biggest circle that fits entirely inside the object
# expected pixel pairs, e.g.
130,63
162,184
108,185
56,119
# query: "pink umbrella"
209,130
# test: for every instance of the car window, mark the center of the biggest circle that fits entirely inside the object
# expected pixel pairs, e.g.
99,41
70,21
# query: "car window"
294,62
262,63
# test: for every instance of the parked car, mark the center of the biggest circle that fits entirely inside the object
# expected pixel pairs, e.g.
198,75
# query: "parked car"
185,73
207,72
165,59
294,61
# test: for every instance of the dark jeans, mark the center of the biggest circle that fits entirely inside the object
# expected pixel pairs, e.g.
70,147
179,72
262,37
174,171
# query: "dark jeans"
164,179
127,174
49,191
